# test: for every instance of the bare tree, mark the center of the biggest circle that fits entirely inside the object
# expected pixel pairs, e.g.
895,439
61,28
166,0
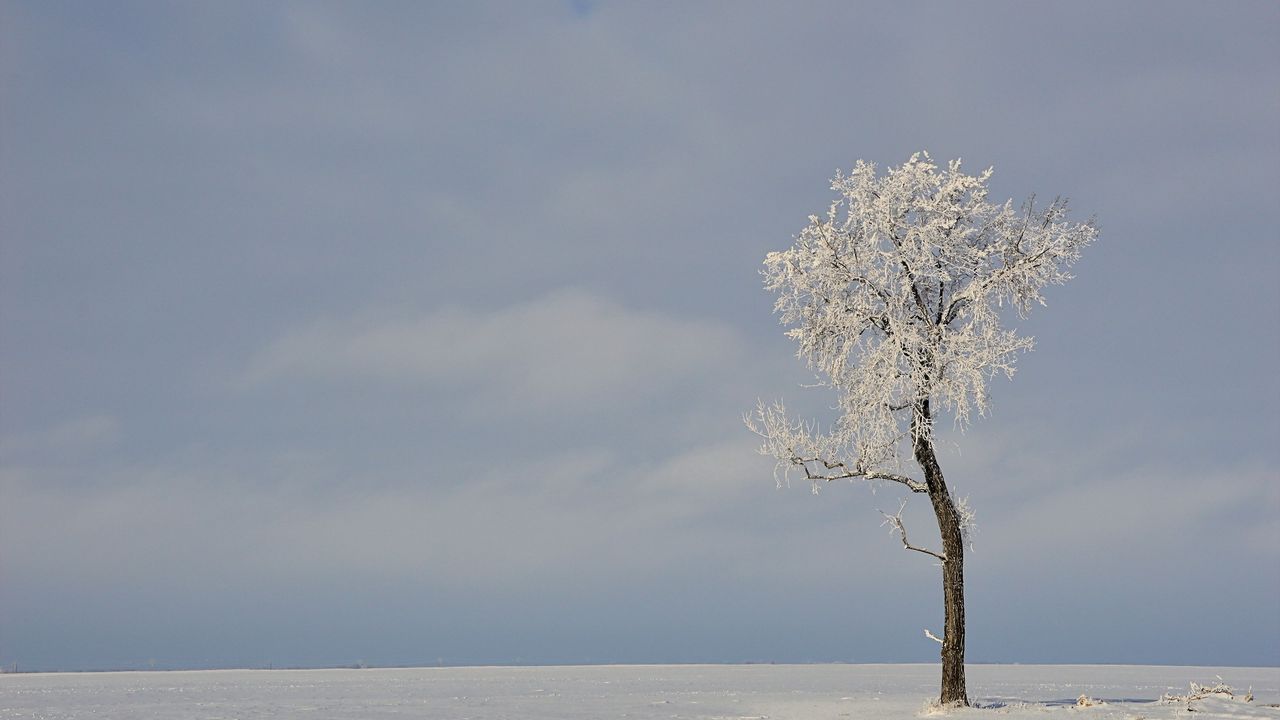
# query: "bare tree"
895,300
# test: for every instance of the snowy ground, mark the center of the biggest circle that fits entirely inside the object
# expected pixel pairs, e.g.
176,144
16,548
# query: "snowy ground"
705,692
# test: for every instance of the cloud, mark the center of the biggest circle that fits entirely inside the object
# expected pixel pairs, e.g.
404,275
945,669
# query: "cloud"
584,518
88,432
1157,515
568,350
310,197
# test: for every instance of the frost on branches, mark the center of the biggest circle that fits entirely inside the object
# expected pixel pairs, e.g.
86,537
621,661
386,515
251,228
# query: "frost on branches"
895,300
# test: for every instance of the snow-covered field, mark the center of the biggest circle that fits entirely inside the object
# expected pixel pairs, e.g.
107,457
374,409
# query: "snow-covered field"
643,692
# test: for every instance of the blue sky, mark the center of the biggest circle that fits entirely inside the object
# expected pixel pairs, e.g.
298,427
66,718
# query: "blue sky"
417,333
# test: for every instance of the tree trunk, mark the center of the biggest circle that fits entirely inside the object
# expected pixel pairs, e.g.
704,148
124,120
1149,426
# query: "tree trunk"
953,683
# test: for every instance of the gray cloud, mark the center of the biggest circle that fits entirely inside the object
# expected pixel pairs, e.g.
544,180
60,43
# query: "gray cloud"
562,352
71,437
421,330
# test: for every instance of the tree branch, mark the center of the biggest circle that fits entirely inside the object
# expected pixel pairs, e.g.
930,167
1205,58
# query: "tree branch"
953,309
895,523
911,277
846,473
853,275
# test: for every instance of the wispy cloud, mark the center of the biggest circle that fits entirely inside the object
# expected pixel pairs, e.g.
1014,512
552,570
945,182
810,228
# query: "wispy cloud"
567,350
68,437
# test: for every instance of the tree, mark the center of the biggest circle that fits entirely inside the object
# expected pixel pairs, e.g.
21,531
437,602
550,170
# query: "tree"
895,299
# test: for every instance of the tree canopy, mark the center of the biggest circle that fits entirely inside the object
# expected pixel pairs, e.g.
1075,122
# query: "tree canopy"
895,298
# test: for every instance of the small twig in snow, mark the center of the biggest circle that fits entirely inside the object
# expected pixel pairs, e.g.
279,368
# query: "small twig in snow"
1196,691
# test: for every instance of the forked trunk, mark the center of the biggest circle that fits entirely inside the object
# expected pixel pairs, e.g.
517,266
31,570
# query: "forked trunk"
953,683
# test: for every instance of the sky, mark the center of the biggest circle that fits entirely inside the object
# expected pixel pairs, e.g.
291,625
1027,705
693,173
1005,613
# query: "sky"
422,333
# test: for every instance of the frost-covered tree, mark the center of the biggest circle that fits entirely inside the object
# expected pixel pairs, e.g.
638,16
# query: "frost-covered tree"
895,298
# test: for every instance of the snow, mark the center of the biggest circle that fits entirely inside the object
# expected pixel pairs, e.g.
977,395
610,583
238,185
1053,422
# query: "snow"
639,692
